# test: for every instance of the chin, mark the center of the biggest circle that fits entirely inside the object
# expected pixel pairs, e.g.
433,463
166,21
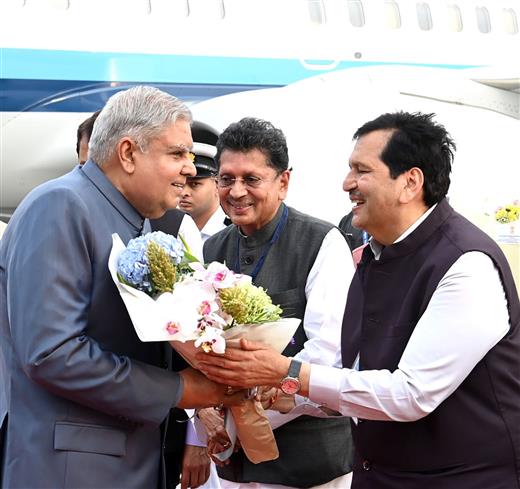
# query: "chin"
356,222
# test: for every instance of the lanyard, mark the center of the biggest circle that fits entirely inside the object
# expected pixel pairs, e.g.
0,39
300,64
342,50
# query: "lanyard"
272,241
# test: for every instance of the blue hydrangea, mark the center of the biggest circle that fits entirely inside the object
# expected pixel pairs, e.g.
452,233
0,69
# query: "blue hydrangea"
133,265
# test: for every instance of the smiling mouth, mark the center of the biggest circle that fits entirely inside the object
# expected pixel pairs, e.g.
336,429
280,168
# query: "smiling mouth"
178,185
356,200
357,203
239,207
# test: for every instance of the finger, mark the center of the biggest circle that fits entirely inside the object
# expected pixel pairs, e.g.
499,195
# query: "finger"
235,399
185,480
196,478
207,472
266,393
219,375
251,345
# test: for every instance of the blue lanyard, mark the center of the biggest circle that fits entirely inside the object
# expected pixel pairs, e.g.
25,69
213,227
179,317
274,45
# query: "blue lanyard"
272,241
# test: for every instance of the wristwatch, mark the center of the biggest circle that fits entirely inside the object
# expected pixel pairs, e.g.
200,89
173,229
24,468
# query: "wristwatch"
291,383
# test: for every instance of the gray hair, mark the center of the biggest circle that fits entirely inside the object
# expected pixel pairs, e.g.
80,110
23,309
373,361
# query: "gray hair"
140,113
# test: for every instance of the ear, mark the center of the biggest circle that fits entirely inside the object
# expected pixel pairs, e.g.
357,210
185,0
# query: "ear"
125,153
414,183
284,184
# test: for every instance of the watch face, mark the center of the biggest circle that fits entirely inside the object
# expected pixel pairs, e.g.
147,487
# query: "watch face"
290,386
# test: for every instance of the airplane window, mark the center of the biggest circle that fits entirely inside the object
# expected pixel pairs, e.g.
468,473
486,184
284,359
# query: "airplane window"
392,15
317,11
355,13
510,22
424,16
483,21
454,18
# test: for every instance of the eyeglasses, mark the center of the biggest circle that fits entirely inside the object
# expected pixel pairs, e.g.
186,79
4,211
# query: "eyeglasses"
248,181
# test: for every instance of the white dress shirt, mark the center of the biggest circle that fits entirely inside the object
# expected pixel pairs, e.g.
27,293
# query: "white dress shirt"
467,316
214,225
326,292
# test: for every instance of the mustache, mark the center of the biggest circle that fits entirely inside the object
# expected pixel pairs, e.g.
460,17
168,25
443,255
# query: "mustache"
238,202
355,195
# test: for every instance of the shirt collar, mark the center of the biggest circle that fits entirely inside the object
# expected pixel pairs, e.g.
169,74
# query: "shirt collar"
98,178
263,235
215,224
377,247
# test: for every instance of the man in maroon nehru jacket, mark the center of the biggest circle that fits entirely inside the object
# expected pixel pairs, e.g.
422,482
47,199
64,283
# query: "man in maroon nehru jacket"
431,331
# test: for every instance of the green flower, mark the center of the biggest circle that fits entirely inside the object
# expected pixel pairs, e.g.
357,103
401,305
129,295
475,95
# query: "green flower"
248,304
163,272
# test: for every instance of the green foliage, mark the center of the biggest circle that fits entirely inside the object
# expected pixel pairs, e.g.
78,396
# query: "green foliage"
249,304
163,273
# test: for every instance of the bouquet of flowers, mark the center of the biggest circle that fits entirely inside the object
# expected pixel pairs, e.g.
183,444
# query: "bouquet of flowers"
171,296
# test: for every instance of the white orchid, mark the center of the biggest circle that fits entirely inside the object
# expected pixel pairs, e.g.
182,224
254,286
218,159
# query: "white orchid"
211,339
181,308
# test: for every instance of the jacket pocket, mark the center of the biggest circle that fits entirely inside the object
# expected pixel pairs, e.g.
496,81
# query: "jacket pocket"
290,301
89,438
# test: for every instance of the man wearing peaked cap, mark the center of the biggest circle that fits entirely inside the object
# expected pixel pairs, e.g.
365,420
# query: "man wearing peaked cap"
200,197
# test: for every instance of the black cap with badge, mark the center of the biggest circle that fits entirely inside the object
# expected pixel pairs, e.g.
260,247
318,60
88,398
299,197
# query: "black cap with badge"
204,160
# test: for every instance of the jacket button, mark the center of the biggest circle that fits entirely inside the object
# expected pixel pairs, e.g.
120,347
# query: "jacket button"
366,465
248,260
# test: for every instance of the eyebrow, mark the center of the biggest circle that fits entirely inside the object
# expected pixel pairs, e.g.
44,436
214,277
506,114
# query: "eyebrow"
178,147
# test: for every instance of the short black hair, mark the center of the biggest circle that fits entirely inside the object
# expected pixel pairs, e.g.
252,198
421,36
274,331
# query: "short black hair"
85,129
252,133
416,141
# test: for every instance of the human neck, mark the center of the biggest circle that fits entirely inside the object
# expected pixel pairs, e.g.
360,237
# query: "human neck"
202,219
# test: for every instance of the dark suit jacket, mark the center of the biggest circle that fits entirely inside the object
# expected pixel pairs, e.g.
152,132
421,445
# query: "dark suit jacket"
354,235
85,398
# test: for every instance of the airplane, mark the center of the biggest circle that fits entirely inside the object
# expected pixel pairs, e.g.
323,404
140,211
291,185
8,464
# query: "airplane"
484,122
318,68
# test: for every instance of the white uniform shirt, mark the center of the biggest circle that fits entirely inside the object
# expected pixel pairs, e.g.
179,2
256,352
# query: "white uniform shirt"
214,225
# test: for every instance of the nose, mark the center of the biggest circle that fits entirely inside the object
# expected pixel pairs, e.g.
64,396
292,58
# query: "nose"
350,182
238,189
188,169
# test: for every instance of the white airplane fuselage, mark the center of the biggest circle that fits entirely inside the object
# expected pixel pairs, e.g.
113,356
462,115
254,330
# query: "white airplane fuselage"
318,68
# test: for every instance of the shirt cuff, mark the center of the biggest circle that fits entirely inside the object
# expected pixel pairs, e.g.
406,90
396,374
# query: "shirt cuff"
325,385
191,432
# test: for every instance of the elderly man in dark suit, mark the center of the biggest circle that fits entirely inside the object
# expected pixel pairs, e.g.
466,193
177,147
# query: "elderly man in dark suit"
83,402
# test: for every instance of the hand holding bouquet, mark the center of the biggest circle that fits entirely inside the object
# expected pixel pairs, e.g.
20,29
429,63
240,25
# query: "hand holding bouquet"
172,297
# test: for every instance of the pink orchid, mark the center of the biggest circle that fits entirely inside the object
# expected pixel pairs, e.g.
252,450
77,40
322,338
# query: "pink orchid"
172,328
